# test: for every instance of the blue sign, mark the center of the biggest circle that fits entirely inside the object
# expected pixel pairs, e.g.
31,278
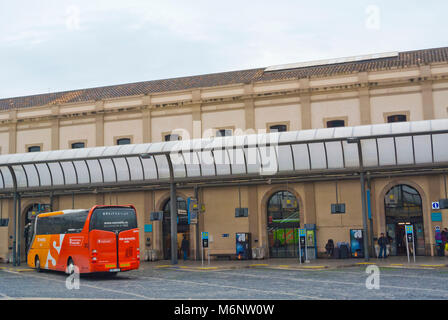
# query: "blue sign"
435,205
436,216
204,235
302,232
369,206
409,229
148,227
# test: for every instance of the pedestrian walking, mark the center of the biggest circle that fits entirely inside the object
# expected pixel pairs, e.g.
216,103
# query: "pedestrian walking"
185,245
329,247
382,242
440,245
444,239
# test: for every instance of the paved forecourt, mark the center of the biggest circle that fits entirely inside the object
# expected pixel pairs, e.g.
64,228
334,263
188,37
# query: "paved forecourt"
251,281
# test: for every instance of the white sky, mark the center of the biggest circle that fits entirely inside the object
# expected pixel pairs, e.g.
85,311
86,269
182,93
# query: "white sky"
56,45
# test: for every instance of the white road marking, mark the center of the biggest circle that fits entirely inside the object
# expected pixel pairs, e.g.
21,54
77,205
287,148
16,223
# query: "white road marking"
393,275
361,283
83,285
4,296
234,287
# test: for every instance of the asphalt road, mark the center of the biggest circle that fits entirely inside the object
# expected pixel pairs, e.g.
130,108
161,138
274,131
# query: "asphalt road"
246,283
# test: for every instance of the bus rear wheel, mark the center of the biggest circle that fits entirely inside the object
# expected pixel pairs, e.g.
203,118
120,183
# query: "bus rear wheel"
70,266
37,264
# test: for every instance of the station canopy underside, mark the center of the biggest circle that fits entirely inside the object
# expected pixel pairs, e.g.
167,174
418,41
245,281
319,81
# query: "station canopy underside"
419,145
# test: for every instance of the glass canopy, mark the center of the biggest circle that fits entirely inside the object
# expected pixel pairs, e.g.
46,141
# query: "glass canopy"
383,146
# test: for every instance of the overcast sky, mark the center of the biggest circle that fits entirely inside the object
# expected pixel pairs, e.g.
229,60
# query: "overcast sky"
57,45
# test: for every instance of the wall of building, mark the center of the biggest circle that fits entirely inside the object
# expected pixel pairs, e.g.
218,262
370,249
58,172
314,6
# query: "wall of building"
301,104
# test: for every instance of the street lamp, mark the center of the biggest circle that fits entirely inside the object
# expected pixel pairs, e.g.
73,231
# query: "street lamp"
363,195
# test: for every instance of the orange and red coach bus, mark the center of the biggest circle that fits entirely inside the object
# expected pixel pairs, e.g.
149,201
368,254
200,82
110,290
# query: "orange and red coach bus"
101,239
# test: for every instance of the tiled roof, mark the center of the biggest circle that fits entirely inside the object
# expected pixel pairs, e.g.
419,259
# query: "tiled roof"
404,59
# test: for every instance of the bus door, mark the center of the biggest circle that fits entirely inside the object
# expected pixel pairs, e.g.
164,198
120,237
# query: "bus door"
103,249
128,248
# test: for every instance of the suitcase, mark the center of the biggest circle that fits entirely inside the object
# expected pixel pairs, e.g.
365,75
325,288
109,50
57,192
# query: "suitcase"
344,252
336,253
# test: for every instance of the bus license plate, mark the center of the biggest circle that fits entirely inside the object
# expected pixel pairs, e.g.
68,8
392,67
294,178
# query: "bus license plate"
114,270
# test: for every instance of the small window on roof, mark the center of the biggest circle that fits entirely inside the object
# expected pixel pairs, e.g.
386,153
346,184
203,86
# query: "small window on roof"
34,149
223,132
335,123
396,118
278,128
172,137
78,145
123,141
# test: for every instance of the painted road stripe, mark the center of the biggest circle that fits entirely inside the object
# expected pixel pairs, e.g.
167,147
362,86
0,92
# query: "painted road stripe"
83,284
259,265
234,287
432,265
21,270
361,283
4,296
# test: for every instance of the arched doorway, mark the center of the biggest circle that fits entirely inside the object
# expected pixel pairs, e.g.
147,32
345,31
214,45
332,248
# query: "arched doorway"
283,221
29,215
183,228
403,206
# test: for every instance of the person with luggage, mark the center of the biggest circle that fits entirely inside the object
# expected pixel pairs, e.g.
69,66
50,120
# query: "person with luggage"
382,242
329,247
439,244
444,239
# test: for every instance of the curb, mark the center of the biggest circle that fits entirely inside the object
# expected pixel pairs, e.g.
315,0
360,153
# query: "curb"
16,269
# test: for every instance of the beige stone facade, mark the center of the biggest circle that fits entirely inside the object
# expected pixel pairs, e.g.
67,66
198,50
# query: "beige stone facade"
368,97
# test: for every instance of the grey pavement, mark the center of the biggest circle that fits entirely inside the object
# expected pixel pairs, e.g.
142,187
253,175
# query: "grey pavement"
270,279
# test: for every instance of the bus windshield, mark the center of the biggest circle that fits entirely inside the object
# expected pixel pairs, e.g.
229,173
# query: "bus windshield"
113,219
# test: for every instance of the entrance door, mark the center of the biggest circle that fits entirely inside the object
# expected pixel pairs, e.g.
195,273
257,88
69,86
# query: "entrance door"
183,228
283,224
403,205
29,216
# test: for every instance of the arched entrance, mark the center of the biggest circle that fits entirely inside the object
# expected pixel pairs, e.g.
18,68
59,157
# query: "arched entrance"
183,228
29,214
283,221
402,206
